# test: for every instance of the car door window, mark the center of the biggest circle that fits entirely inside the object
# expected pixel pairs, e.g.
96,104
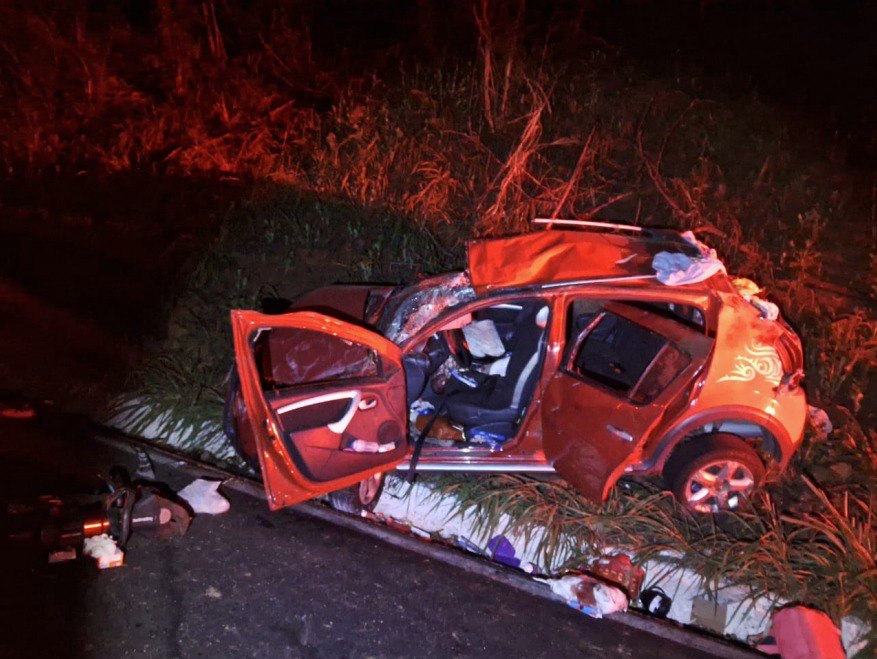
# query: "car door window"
292,356
627,358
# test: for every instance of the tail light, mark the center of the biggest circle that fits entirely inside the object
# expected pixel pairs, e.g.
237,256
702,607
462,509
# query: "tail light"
788,347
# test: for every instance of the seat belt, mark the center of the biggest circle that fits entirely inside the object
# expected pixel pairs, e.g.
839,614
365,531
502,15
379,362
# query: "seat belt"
418,445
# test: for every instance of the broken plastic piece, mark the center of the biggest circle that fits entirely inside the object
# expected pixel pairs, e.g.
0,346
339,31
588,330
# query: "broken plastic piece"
62,555
804,633
749,291
620,571
465,543
502,551
203,497
820,422
768,310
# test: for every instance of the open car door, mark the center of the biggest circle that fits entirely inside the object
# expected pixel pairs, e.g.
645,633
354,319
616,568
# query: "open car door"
618,378
325,401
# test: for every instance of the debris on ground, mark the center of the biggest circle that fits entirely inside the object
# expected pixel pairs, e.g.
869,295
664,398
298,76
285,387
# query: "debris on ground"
502,551
466,544
104,550
619,571
54,529
820,422
588,594
799,632
656,602
203,497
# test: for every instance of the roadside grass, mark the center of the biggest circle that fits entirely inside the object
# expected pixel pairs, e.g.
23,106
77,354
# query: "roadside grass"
278,244
368,177
813,544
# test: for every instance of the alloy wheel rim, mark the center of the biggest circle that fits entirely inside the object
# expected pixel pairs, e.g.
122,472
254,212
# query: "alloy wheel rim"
719,485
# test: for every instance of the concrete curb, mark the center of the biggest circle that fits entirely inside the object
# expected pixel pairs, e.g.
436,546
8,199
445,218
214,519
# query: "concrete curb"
665,629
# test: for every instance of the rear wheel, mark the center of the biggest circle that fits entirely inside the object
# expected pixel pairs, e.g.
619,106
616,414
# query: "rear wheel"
361,497
714,473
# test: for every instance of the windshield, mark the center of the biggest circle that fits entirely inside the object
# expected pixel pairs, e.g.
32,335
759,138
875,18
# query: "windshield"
412,307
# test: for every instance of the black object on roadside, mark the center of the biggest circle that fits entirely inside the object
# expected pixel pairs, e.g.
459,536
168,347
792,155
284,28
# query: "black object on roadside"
56,526
656,602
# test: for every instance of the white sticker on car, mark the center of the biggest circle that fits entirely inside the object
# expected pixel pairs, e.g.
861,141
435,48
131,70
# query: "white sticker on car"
758,359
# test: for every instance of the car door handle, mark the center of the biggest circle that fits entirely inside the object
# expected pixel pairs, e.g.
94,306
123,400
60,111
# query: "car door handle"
618,432
367,403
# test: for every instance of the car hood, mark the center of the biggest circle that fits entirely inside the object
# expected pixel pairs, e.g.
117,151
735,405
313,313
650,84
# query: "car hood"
356,303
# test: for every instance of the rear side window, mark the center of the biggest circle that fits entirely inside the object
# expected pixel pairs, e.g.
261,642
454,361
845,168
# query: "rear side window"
627,358
291,356
669,363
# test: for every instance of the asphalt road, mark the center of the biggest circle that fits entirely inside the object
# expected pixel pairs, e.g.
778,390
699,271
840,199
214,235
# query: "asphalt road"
251,583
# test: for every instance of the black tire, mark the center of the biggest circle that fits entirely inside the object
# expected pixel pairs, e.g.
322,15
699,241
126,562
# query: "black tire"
734,466
361,497
234,401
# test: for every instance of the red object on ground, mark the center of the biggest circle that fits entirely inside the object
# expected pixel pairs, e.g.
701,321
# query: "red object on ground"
620,571
803,633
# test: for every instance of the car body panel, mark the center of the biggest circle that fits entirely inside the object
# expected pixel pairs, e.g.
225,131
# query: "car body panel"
551,257
305,433
593,455
345,301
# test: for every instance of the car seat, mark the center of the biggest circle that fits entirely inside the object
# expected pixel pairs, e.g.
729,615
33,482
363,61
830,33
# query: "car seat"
496,401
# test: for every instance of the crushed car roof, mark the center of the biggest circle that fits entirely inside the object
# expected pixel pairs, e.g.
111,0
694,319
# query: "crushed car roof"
558,256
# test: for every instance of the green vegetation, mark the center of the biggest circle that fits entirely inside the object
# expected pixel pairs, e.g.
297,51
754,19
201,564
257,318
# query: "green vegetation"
367,176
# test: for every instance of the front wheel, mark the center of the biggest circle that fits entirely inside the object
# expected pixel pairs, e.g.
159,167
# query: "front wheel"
360,497
713,473
234,422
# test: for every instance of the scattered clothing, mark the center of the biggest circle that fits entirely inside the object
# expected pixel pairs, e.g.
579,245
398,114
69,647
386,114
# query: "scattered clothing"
677,269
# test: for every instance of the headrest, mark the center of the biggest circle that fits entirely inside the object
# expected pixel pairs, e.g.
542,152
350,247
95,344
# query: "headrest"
542,317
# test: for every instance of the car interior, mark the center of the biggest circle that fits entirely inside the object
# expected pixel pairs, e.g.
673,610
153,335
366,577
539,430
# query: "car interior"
621,355
477,374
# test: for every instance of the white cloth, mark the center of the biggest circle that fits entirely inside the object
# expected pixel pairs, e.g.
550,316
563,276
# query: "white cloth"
202,495
674,269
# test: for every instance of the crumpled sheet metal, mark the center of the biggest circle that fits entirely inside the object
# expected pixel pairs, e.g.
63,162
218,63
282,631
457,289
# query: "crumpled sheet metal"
558,256
426,301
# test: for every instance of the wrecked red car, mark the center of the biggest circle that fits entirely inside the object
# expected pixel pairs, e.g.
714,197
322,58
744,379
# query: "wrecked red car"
572,351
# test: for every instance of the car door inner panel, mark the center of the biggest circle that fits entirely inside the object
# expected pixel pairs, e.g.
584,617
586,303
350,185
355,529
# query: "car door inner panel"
335,403
328,435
